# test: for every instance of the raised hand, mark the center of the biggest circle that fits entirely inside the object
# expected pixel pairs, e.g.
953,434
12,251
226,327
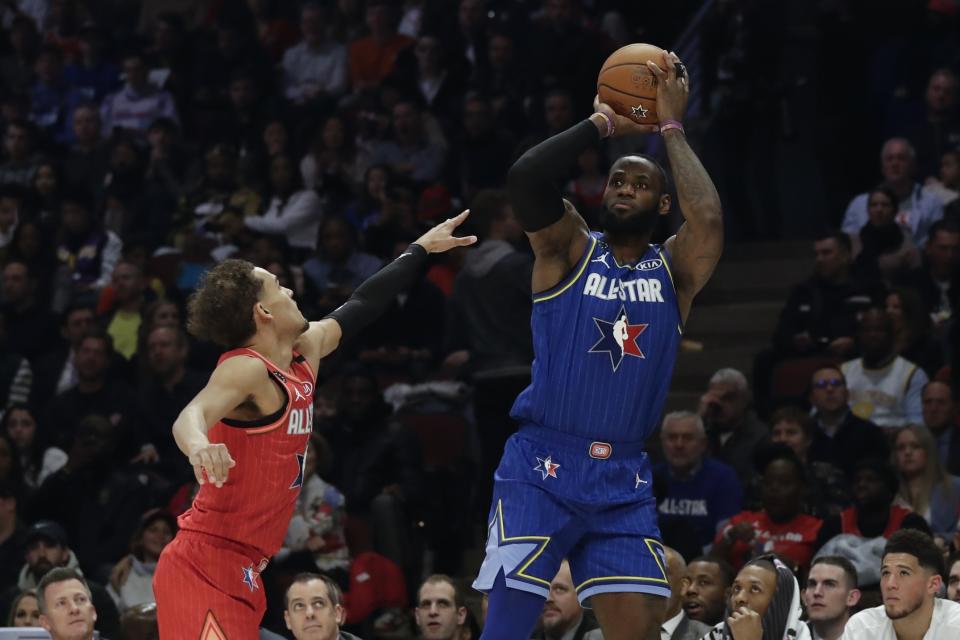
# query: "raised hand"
745,624
441,238
212,463
673,88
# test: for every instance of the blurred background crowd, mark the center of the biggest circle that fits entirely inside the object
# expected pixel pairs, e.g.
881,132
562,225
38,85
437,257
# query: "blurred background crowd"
145,141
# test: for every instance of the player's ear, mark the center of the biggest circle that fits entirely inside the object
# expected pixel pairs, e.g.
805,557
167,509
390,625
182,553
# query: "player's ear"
341,614
665,202
461,615
260,311
45,621
286,619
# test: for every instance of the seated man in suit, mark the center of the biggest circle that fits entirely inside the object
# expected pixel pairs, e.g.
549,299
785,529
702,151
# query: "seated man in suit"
677,625
563,618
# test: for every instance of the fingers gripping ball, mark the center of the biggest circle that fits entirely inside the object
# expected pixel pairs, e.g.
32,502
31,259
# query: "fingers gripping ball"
627,84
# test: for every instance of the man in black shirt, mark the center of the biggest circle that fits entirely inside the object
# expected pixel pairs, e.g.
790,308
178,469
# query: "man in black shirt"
841,438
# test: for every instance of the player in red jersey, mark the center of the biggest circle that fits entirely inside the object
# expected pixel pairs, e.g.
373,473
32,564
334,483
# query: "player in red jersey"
254,417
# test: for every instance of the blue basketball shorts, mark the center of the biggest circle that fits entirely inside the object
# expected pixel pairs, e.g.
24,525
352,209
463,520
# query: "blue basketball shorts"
560,497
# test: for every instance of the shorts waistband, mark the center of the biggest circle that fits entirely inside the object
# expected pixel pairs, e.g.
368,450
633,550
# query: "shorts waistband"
257,559
590,448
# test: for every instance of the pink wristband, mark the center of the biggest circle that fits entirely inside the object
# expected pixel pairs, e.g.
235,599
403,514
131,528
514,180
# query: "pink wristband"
666,125
608,115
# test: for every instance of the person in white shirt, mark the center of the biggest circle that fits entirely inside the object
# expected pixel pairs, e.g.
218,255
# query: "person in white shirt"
292,211
315,68
830,596
917,209
910,578
885,388
677,625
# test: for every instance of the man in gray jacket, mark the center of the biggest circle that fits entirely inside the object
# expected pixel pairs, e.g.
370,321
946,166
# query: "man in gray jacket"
312,609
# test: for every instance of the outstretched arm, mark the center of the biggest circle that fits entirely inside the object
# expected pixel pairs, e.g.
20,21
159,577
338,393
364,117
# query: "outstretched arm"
376,293
696,248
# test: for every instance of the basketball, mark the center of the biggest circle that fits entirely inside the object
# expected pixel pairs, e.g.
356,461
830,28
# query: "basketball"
627,84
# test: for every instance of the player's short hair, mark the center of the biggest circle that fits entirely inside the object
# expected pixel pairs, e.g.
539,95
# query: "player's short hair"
841,238
684,415
729,375
727,574
664,178
221,309
917,544
849,571
55,576
794,415
442,578
334,594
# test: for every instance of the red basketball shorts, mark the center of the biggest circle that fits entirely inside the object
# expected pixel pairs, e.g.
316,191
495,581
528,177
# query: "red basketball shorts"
208,589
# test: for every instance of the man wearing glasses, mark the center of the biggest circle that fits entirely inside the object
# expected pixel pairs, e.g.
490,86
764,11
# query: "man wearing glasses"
841,438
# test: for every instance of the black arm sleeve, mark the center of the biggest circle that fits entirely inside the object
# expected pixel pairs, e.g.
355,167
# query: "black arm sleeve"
533,182
377,292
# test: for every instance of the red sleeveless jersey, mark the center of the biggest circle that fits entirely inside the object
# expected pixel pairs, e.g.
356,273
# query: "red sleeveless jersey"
254,506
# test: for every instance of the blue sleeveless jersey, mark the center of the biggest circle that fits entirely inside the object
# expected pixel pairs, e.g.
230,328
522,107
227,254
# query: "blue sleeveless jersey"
605,341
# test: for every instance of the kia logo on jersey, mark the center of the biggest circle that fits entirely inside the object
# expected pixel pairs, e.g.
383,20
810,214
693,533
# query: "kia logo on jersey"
650,265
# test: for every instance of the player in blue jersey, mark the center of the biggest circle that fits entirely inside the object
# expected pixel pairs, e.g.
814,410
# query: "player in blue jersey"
574,481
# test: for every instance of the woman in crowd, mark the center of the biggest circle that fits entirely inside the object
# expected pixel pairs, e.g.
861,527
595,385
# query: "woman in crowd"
764,604
333,162
25,610
913,329
884,249
924,485
131,581
37,461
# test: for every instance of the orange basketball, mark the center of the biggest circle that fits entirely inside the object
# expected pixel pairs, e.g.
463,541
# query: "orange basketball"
627,84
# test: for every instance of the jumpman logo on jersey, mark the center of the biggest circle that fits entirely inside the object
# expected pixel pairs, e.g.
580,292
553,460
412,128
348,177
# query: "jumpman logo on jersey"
547,467
301,468
603,259
250,578
618,338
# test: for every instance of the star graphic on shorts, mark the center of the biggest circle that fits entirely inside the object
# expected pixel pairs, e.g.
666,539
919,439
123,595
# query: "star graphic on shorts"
301,463
547,467
250,578
639,110
618,338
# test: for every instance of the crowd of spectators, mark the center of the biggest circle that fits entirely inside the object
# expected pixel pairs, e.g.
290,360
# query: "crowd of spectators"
145,141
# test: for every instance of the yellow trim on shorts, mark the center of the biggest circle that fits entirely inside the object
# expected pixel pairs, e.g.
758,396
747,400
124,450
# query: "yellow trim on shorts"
503,538
656,556
583,267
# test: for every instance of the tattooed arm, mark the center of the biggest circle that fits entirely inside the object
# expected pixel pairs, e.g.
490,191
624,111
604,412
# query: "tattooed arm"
696,248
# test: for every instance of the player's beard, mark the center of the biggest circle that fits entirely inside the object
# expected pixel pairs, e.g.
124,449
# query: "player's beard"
902,609
637,223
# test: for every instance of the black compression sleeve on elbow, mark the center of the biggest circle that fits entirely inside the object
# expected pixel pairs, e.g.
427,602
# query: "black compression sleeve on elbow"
376,293
534,180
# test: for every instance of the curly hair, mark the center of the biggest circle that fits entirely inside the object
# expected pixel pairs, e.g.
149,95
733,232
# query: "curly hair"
220,310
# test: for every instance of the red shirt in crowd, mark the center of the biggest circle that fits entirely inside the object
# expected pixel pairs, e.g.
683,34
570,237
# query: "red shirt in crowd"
793,539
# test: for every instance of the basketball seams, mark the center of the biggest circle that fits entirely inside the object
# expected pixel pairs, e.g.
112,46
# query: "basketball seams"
624,93
626,64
